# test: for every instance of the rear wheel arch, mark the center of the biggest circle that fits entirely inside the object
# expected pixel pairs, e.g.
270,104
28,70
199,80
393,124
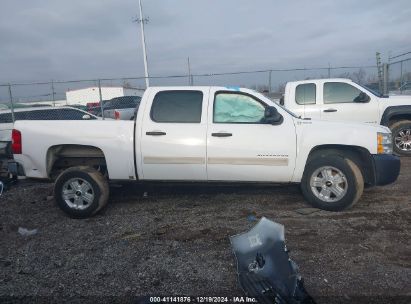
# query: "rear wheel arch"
61,157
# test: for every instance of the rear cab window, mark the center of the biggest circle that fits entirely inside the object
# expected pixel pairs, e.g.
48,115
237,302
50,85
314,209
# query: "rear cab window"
306,94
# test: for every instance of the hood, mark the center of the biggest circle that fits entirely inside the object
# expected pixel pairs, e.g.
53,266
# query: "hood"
397,100
319,132
343,125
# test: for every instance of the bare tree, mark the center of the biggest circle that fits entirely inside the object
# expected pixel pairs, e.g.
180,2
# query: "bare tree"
359,76
344,75
281,87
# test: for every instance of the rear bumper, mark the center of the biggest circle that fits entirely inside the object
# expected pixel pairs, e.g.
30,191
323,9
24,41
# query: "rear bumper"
5,150
387,168
15,168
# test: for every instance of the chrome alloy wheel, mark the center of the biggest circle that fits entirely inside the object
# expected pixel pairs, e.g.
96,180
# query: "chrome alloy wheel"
78,193
328,184
403,140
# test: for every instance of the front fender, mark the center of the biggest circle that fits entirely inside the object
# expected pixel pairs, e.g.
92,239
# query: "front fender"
313,134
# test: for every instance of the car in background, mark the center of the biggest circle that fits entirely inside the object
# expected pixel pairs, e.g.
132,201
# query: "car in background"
122,108
80,107
36,113
119,108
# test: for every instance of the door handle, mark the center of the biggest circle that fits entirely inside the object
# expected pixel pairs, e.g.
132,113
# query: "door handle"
221,134
156,133
330,110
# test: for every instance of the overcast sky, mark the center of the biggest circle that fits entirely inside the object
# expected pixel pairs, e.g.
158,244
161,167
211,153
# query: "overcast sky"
82,39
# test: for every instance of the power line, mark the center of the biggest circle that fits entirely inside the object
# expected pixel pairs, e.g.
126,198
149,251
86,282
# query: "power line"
193,75
389,58
403,60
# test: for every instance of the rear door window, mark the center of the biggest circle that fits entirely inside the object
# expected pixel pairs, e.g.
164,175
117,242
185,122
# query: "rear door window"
177,107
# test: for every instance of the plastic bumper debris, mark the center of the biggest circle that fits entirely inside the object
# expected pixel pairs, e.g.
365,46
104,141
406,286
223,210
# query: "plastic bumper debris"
265,270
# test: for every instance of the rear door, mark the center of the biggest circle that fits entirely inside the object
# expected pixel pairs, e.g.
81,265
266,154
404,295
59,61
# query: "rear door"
173,138
302,100
242,148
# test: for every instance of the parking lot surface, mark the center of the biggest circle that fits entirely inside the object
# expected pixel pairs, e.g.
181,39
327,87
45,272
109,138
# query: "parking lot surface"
174,240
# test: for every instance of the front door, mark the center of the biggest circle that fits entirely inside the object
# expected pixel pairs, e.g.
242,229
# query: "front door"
242,148
339,104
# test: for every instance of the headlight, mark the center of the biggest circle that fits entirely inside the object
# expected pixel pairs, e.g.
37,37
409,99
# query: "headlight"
384,141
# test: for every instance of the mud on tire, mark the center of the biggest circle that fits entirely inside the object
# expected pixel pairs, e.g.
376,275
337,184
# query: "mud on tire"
326,173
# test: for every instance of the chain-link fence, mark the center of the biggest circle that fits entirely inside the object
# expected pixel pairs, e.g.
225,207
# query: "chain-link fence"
400,77
107,98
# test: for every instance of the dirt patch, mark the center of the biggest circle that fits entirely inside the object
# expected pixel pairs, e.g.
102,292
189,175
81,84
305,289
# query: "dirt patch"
175,242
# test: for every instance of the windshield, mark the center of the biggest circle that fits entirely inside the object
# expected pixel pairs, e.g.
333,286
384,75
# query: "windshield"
263,97
288,111
378,94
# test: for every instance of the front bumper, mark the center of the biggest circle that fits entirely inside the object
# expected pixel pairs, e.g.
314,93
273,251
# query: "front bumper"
387,168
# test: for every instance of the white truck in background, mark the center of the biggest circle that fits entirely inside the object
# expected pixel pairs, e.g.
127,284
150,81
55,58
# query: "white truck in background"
214,134
344,100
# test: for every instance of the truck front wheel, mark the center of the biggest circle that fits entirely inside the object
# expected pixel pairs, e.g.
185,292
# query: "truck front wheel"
331,182
81,191
401,133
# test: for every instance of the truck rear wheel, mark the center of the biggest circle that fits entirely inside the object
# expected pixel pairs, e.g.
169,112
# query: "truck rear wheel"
331,182
81,191
401,135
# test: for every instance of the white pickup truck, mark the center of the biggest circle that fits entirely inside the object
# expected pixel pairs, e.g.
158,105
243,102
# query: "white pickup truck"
344,100
214,134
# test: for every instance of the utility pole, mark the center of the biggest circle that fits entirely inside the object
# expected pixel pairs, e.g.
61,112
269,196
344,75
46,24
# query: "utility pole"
11,104
142,21
190,77
386,78
380,73
269,81
53,93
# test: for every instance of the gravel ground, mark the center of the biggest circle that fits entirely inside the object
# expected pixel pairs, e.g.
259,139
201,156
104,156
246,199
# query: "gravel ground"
175,242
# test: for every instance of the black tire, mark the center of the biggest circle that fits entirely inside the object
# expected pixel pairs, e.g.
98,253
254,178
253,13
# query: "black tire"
350,171
396,128
99,189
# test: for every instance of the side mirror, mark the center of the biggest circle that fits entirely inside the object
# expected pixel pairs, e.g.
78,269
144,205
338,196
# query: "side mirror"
271,116
282,100
86,116
362,98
